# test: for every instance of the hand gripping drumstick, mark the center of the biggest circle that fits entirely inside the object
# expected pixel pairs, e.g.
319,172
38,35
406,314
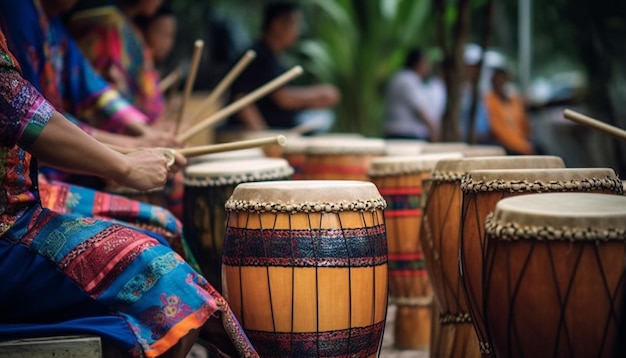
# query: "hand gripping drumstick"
209,149
594,123
191,79
241,103
225,82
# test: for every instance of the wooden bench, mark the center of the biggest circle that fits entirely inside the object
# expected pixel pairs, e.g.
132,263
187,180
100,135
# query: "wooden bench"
57,347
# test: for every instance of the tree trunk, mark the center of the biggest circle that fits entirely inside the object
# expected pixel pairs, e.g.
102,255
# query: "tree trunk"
453,65
476,95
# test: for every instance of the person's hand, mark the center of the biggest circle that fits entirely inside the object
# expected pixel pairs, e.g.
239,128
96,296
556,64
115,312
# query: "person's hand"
328,95
148,170
155,138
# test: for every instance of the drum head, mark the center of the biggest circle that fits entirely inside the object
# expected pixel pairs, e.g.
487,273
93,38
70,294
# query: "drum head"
541,180
237,171
559,216
455,169
335,146
306,196
384,166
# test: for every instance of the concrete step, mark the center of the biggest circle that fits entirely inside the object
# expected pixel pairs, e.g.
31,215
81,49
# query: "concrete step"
53,347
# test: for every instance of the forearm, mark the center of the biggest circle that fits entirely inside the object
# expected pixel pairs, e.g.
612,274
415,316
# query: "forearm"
294,98
252,118
64,145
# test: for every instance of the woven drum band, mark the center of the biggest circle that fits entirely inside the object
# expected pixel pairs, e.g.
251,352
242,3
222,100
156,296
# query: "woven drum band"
389,166
455,318
306,196
236,172
451,170
573,217
541,180
346,146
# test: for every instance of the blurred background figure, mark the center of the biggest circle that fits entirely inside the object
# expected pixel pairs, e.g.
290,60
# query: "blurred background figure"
159,31
507,116
105,32
409,113
290,105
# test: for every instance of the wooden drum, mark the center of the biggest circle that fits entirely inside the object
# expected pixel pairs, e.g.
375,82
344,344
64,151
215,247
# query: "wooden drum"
341,159
207,188
305,267
554,275
399,180
440,236
295,153
154,197
241,154
482,189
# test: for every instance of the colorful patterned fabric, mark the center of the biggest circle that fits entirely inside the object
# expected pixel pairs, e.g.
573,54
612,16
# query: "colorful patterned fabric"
117,51
52,62
98,277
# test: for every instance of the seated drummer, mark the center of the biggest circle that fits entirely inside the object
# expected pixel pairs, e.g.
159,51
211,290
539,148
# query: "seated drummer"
63,274
289,105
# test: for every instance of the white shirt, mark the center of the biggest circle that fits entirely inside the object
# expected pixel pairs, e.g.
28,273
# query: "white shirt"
406,96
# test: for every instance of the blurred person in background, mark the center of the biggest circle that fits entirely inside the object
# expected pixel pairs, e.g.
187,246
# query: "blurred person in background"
159,31
510,127
408,102
289,105
109,38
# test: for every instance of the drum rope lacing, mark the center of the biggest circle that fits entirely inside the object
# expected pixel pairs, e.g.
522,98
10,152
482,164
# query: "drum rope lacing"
470,185
270,174
485,347
440,176
511,231
314,207
455,318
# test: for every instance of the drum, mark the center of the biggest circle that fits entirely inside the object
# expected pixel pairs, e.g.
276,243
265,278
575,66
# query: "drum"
399,180
554,275
443,147
483,151
341,159
482,189
400,147
241,154
207,187
155,197
440,236
295,153
305,267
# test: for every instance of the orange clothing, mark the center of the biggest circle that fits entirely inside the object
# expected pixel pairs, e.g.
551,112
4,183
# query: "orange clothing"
508,123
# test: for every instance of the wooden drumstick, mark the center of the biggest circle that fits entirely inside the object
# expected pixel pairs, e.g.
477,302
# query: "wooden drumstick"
169,80
191,79
241,103
594,123
225,82
209,149
227,147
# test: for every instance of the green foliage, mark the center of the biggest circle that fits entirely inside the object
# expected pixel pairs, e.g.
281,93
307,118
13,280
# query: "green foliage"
357,45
